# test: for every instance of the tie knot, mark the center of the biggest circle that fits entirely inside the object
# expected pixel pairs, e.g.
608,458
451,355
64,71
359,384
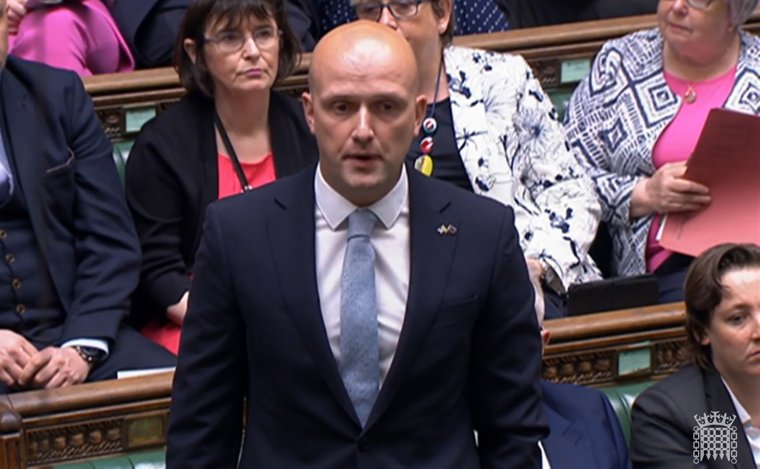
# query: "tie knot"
360,222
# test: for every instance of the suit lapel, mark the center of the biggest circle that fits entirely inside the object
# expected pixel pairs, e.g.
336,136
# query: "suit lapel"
718,399
291,235
19,119
431,257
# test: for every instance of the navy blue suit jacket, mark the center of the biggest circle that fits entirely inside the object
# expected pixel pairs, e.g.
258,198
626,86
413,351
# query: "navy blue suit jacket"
154,22
65,170
468,356
585,432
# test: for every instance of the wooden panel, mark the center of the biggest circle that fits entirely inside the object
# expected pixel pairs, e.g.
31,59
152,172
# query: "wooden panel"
81,422
608,348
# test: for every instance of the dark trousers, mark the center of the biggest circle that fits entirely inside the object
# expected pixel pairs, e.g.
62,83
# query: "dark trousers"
555,305
670,277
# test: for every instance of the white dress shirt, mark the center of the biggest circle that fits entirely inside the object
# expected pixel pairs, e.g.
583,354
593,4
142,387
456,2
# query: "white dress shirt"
545,464
752,432
390,239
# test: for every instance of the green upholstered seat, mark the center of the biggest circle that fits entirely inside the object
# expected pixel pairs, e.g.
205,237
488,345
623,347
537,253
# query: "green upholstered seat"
155,459
621,397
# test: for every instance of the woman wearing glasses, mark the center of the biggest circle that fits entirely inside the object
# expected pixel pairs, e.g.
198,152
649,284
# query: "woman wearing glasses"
229,134
491,129
635,119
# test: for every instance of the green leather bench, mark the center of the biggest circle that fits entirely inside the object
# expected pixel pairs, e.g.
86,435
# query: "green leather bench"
142,460
621,397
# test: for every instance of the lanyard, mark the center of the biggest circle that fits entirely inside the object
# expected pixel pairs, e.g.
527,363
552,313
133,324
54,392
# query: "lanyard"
231,152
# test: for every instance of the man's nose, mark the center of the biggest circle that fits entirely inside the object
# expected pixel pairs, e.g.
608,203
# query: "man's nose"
363,131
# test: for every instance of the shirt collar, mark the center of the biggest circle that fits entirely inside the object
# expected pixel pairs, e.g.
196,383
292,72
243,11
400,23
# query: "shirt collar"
741,412
336,208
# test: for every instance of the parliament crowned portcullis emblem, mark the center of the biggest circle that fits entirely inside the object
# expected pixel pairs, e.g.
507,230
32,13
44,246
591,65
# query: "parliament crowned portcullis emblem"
715,437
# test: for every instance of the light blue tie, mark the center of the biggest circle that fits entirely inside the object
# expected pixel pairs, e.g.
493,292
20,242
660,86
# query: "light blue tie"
359,355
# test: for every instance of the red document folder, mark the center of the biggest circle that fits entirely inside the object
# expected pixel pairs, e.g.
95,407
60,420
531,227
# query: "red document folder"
727,160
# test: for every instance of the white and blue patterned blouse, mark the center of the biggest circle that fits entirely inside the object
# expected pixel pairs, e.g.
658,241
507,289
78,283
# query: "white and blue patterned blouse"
615,117
514,150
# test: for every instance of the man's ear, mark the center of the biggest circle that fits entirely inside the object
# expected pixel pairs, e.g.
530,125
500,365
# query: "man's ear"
308,109
191,49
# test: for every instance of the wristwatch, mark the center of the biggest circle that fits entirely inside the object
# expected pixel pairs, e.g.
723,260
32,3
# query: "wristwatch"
91,355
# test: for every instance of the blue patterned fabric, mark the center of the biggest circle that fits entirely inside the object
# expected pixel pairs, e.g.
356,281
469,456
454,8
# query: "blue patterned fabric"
615,117
359,346
470,16
334,13
478,16
514,150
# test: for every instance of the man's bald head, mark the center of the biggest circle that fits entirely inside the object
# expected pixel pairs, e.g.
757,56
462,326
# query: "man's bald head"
364,108
353,46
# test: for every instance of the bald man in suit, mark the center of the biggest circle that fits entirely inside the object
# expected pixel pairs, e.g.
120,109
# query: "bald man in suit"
443,342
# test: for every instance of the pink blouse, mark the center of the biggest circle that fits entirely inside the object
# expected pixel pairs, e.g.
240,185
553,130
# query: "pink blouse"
677,141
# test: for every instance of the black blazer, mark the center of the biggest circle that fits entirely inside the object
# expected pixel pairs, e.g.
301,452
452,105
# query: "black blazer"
662,428
468,356
171,177
65,170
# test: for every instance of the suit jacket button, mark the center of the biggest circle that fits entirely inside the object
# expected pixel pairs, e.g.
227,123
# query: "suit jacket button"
364,444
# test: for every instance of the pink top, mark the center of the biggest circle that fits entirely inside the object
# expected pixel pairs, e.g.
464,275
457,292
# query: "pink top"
80,36
677,141
257,174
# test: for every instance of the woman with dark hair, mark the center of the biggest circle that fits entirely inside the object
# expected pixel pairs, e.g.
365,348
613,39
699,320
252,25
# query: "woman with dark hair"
229,134
490,129
722,293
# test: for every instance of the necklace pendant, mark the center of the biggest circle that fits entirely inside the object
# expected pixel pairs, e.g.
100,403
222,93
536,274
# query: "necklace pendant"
690,96
429,125
424,164
426,145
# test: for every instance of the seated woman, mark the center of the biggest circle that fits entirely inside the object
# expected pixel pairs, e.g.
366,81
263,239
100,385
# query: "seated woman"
490,129
635,120
670,419
77,35
229,134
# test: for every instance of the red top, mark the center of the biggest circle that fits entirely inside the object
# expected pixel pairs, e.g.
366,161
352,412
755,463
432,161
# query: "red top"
257,174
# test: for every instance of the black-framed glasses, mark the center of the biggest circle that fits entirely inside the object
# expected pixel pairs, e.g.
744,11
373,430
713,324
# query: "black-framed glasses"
230,42
400,9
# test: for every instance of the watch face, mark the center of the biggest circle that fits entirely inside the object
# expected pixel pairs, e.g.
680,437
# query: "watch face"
90,354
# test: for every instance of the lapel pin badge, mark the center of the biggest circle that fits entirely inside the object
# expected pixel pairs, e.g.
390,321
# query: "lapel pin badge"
447,230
